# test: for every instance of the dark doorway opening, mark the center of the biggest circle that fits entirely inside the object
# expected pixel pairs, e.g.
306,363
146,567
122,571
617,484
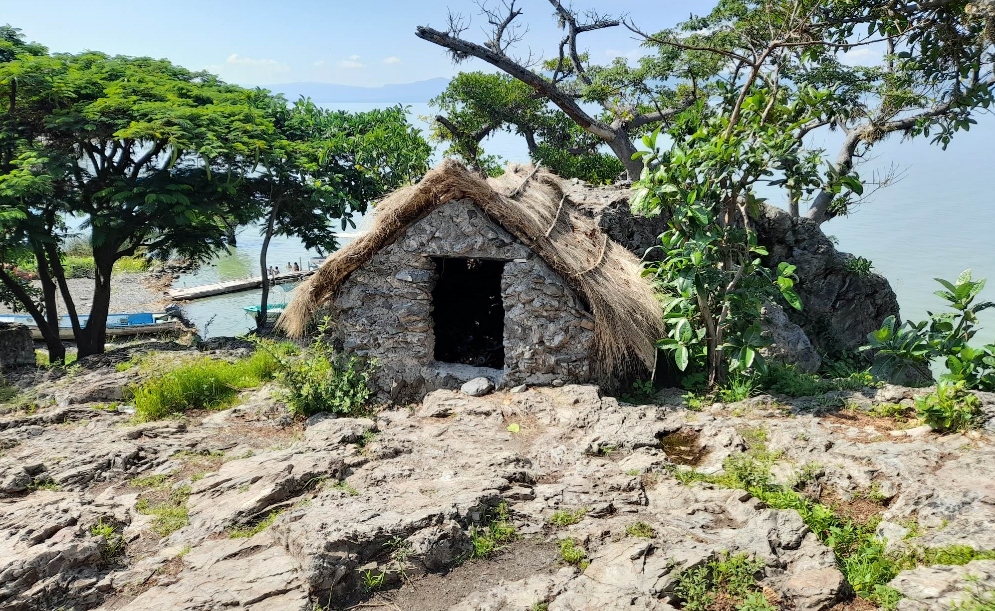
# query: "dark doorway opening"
468,312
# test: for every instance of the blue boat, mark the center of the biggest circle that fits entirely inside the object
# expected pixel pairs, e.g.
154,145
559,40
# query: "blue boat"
118,325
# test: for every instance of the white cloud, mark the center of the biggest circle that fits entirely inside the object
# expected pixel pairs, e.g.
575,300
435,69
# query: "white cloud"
393,59
863,56
320,63
629,56
354,58
250,70
269,64
351,64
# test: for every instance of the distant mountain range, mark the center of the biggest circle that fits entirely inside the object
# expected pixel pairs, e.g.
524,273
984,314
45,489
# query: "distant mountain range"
329,93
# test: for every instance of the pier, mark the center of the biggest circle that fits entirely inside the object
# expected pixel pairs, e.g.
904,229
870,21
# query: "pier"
234,286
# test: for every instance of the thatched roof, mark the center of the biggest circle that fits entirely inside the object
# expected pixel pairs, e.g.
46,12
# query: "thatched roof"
531,205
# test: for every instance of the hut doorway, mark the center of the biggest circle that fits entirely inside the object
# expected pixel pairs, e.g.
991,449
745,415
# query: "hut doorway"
468,312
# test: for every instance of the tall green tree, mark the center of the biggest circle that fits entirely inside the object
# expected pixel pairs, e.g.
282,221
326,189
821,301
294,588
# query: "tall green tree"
476,105
321,167
935,77
141,151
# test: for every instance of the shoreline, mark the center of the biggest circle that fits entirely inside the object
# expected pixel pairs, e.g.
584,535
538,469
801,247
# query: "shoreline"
130,293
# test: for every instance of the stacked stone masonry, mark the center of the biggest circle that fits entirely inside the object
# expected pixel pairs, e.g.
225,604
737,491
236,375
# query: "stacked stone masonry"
384,309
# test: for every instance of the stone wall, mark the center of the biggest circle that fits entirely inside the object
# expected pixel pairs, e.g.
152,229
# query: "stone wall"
16,346
384,309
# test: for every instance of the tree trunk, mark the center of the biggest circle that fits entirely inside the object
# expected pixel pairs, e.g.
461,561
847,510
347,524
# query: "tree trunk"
795,212
94,334
56,351
819,212
60,278
623,148
47,288
261,316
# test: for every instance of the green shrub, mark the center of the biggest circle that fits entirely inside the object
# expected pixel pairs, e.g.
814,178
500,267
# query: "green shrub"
78,267
731,576
322,380
202,384
907,350
736,388
131,265
859,266
573,553
951,408
113,542
788,380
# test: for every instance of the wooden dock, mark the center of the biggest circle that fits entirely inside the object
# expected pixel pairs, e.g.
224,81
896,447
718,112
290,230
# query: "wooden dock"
233,286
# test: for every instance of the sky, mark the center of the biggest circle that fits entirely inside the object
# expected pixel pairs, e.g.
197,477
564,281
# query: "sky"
252,42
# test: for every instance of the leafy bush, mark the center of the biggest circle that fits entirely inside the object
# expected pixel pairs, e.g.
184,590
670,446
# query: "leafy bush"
788,380
322,380
573,553
201,384
709,262
914,346
859,266
734,577
641,530
78,267
951,408
595,168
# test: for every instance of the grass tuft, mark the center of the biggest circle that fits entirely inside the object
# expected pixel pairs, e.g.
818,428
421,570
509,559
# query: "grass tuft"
640,529
202,384
171,513
567,518
573,554
494,535
246,532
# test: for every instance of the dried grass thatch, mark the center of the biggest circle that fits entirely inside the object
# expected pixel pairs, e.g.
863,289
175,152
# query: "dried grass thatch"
531,205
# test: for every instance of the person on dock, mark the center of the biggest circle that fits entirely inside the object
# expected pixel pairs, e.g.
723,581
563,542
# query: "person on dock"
297,267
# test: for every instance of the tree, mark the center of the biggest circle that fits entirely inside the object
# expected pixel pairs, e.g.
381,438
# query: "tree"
710,268
936,75
322,166
477,104
565,81
140,149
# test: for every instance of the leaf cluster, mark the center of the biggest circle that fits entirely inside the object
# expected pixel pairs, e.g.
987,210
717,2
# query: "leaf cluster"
946,335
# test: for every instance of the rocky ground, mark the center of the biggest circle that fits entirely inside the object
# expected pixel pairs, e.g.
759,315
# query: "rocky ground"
247,508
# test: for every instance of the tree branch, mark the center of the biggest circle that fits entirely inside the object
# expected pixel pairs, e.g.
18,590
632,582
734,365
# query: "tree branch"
565,102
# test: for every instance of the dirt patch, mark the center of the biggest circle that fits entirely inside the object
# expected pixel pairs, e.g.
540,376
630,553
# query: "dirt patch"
860,510
854,604
440,591
862,420
682,448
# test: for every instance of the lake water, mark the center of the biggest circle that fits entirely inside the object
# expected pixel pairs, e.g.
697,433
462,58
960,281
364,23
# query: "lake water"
936,222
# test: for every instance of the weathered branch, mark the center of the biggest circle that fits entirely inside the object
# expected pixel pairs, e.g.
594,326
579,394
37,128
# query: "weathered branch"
564,101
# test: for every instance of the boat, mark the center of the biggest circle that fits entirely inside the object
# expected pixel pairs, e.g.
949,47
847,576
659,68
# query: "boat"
118,325
273,310
315,262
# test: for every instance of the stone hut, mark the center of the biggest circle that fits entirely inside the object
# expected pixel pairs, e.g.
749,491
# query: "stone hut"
461,277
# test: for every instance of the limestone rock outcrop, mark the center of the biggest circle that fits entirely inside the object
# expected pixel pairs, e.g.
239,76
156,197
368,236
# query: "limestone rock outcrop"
269,513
